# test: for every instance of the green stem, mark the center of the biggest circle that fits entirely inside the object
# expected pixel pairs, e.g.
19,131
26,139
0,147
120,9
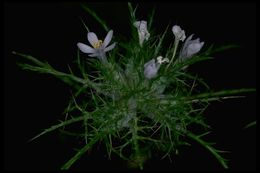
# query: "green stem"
174,52
136,145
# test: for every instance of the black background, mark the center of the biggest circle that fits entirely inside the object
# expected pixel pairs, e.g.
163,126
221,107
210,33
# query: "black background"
50,31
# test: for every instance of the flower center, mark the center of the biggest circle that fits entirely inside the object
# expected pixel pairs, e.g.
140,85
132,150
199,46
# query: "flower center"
98,44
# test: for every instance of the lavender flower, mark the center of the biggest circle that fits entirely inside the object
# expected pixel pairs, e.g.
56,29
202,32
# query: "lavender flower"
99,47
142,31
151,67
190,47
178,33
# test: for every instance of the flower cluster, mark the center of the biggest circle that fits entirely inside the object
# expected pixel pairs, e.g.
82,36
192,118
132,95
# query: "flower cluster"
190,47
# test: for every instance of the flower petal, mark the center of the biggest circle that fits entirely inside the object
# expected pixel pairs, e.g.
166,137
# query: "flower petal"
178,33
94,55
187,41
150,69
108,38
110,47
92,38
151,62
143,26
193,49
85,48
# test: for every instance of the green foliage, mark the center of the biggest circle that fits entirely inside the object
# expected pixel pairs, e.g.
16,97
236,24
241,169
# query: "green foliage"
250,125
116,104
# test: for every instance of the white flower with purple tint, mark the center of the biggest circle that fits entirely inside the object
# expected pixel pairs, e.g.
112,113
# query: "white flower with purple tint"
99,48
151,67
142,31
190,47
178,33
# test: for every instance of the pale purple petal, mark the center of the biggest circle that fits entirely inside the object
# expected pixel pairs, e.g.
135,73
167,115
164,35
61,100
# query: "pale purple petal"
110,47
151,62
92,38
187,41
85,48
108,38
190,47
150,69
94,55
201,44
178,33
143,26
196,40
193,49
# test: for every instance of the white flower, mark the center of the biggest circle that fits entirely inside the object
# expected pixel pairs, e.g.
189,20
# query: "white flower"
142,31
178,33
99,47
151,67
190,47
160,60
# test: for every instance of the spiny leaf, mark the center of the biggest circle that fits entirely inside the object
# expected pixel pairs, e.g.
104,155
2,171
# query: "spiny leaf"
82,151
221,160
225,47
84,25
180,65
132,12
151,17
221,93
250,124
93,14
158,47
54,127
29,57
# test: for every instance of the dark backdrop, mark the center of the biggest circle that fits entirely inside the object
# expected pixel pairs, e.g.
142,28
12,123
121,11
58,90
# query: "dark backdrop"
50,31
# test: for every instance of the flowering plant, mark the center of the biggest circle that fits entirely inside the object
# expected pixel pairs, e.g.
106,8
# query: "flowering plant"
140,100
